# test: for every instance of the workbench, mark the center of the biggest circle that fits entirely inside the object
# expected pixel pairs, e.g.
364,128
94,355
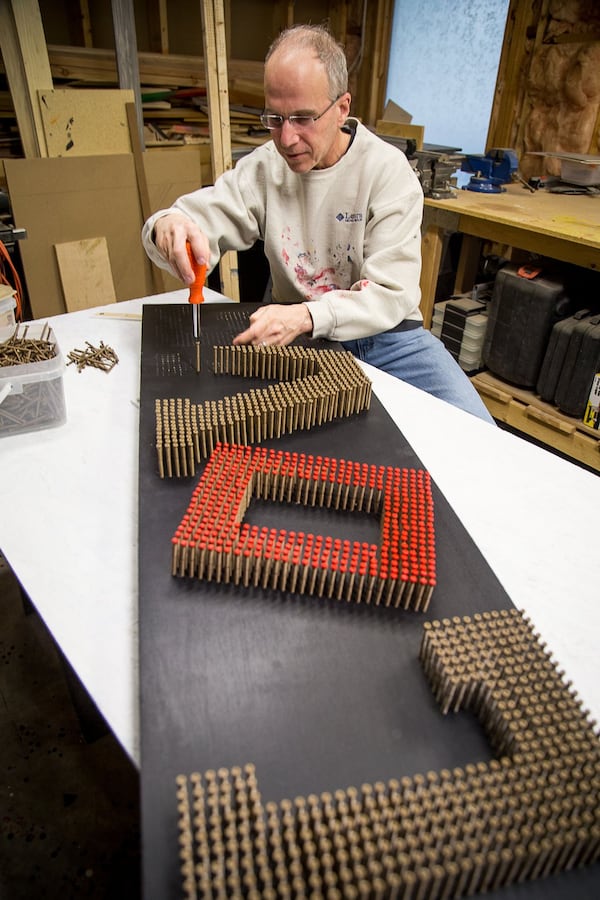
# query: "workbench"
69,526
556,226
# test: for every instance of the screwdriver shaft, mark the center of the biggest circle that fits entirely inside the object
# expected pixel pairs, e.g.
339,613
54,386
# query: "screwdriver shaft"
196,327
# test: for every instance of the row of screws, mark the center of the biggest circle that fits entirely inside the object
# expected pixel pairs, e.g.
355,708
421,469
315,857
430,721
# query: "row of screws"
270,362
316,386
212,543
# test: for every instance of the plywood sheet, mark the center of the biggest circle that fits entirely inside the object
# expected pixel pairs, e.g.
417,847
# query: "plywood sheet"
171,172
85,273
403,130
85,122
395,113
60,200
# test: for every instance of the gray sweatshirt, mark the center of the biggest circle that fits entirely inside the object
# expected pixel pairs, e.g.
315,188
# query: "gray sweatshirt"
346,239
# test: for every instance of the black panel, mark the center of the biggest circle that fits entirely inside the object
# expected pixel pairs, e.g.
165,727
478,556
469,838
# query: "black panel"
318,694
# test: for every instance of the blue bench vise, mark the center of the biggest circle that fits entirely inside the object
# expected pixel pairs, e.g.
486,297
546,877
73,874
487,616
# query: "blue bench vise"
490,171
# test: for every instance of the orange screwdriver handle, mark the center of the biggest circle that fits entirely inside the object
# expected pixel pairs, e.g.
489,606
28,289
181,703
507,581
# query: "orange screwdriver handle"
196,295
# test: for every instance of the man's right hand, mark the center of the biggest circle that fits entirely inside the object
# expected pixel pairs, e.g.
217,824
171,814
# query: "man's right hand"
171,233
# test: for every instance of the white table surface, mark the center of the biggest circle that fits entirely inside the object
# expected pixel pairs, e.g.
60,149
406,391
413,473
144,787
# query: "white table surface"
69,522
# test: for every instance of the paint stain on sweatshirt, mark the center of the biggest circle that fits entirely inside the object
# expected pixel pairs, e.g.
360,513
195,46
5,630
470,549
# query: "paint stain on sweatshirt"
314,283
314,276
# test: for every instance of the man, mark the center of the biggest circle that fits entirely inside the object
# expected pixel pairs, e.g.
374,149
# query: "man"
339,211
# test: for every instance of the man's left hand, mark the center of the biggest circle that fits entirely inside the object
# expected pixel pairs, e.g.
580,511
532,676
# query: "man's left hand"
277,324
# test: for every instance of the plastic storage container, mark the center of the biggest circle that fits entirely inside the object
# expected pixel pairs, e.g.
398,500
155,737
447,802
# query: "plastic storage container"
32,394
460,323
580,171
7,311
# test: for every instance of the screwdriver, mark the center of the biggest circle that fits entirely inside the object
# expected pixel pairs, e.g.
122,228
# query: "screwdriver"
196,298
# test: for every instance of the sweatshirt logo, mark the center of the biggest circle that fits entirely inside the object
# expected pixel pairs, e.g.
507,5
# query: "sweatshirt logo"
349,217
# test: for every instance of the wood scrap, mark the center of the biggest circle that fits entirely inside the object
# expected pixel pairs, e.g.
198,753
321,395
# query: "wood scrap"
99,66
85,273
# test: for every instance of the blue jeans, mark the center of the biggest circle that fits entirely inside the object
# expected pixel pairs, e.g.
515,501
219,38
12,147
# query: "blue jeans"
419,358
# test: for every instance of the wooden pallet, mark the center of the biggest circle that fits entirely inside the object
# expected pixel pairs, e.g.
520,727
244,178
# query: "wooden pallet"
526,412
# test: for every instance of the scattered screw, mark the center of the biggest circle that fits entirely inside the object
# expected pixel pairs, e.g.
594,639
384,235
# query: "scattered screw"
102,357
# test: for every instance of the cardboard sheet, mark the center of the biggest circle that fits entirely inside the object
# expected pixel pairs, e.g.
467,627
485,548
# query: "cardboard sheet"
85,273
61,200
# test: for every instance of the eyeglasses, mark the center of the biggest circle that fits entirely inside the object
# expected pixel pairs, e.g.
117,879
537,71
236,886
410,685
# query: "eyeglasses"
273,121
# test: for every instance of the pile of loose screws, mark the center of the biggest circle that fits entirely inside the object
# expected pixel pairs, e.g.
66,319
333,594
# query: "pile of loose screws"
102,357
19,350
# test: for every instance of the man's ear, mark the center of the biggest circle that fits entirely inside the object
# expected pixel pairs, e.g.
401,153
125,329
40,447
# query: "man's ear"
344,107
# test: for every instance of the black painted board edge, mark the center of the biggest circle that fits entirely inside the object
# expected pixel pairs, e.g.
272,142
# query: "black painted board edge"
318,694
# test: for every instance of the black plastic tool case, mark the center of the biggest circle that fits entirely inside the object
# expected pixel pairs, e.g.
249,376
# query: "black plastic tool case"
582,361
522,313
556,353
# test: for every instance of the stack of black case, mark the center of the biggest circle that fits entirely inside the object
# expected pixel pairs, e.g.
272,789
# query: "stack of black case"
522,312
581,362
556,353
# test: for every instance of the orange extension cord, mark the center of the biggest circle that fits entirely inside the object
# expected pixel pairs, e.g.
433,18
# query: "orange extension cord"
6,264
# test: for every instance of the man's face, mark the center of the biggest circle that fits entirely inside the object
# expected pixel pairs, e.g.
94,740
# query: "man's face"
296,84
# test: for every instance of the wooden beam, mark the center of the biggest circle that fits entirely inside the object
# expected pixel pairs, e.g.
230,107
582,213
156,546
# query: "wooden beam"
174,70
142,184
338,20
23,46
513,69
80,25
158,26
126,53
381,23
227,4
368,66
86,24
521,116
432,245
468,263
215,58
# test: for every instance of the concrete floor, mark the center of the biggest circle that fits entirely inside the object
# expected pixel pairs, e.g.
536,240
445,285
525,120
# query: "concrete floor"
69,807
